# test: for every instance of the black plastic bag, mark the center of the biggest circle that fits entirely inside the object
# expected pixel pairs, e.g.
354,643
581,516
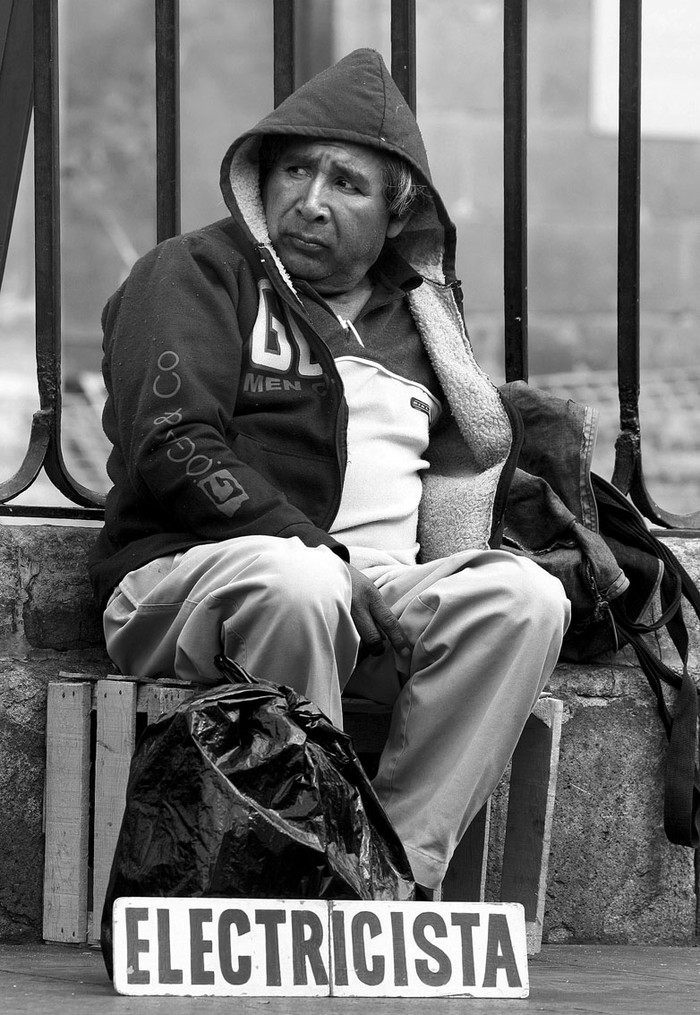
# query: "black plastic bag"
249,791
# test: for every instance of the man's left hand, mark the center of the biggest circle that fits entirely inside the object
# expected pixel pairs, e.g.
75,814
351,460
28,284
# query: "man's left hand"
373,618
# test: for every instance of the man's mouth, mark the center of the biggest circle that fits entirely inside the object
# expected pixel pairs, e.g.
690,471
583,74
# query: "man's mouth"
304,241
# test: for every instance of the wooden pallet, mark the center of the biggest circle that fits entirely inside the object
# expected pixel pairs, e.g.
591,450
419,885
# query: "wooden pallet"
92,726
90,737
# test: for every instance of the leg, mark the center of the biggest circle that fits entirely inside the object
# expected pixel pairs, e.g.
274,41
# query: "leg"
279,608
486,627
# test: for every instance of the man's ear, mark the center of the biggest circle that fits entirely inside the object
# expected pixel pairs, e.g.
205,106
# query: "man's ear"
395,226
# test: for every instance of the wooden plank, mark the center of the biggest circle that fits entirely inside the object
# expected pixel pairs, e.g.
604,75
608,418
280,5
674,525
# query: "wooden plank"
465,880
530,811
67,800
157,699
115,703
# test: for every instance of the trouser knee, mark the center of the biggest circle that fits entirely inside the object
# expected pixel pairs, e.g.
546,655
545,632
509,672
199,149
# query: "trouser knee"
506,600
543,598
299,580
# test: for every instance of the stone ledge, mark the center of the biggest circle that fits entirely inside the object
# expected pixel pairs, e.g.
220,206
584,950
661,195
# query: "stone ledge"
613,877
45,591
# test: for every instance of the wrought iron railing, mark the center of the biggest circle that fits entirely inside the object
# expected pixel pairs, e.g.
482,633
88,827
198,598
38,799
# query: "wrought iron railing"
28,37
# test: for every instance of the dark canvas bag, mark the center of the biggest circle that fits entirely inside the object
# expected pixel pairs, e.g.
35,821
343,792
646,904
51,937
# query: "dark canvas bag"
625,585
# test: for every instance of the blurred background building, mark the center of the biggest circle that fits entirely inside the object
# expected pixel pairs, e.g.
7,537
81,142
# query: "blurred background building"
108,192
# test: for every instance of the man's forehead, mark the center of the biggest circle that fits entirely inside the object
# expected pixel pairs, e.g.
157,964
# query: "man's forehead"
340,152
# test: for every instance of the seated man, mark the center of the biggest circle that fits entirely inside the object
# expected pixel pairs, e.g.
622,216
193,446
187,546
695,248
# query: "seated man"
309,467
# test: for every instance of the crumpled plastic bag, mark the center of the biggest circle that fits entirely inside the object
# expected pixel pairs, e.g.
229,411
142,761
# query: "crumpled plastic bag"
248,791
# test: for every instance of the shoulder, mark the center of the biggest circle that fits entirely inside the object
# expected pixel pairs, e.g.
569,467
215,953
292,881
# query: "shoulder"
218,245
183,269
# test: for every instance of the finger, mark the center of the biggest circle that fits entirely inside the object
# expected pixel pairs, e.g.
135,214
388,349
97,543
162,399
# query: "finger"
389,626
373,618
370,635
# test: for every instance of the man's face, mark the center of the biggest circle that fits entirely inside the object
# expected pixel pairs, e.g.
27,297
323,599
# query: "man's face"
326,212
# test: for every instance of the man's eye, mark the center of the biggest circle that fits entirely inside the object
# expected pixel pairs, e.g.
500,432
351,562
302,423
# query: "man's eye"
296,171
346,185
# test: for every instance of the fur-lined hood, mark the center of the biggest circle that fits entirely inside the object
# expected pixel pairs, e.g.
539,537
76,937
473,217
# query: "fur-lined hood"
356,100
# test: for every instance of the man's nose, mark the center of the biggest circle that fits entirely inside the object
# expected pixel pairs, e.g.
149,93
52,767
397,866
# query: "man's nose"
313,204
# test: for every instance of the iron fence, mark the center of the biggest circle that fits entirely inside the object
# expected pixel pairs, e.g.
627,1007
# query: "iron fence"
28,39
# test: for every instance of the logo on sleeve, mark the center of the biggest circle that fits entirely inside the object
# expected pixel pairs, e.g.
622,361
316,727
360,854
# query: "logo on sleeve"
223,491
421,406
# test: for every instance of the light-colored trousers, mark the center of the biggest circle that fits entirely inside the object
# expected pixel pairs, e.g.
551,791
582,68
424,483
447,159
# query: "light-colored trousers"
485,626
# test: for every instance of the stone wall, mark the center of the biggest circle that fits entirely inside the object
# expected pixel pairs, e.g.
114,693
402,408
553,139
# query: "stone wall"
613,877
47,623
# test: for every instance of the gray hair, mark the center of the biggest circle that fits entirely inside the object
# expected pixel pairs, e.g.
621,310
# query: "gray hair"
401,188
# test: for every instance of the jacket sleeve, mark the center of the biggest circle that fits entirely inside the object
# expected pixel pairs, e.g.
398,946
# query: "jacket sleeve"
173,350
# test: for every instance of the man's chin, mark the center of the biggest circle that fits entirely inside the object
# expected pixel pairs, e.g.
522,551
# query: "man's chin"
303,266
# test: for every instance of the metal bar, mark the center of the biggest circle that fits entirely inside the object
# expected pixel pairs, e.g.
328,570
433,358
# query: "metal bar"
313,30
167,32
283,49
48,511
515,188
16,83
45,437
6,11
39,439
628,475
627,447
403,48
47,254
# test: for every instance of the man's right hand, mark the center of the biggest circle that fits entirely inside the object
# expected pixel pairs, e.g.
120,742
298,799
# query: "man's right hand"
373,618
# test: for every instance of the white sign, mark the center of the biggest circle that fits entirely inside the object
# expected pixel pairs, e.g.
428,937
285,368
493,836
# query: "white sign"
283,947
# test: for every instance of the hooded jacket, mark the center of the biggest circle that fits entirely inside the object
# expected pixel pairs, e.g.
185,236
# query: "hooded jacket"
199,458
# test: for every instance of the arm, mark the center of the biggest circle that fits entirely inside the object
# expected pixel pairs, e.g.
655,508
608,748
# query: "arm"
173,351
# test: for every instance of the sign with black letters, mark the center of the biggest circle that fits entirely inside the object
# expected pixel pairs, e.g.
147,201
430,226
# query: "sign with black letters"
304,947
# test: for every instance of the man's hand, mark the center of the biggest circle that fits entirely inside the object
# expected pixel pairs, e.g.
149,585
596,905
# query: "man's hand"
372,617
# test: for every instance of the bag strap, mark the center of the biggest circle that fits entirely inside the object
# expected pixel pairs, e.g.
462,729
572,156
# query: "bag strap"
682,789
625,523
682,780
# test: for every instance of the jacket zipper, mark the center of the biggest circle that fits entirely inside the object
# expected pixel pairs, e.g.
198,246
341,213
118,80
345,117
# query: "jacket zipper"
295,306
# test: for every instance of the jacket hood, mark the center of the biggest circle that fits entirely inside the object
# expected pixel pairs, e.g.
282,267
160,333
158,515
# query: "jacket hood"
355,100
